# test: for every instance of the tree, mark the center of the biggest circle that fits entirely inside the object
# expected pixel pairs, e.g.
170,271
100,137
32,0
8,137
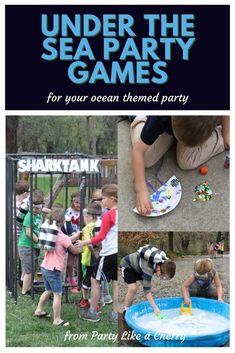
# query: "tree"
220,237
185,240
91,135
11,133
171,241
72,134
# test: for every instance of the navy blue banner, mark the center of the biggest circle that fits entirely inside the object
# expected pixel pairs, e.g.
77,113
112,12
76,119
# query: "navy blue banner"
117,57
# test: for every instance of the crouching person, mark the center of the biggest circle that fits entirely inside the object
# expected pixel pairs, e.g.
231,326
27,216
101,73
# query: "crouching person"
200,282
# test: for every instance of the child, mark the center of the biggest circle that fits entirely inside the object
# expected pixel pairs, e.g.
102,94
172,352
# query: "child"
199,138
107,262
73,214
222,249
137,267
89,258
216,249
199,284
24,244
52,267
97,197
210,248
105,297
22,192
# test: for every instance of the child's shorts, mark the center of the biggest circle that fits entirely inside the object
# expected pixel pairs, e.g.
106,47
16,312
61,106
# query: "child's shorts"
25,255
52,280
86,281
106,268
131,276
196,291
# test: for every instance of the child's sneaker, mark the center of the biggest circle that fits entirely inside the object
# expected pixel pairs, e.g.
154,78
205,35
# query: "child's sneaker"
88,316
84,303
101,303
108,299
27,293
114,317
99,306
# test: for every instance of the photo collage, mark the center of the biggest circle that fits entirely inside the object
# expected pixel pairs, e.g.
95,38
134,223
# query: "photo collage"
117,164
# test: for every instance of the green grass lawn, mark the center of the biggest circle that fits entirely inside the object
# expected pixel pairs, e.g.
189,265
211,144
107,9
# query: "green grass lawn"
43,183
25,330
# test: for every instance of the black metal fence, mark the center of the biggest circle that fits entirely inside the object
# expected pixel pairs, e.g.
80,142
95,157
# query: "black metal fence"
86,183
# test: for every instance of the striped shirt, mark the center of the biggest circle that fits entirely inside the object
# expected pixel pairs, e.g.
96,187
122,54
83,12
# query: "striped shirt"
141,266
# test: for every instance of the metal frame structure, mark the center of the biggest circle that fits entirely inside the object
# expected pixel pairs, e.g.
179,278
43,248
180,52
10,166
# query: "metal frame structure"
87,182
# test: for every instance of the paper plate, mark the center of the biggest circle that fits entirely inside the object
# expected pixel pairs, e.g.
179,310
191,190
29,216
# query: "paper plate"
165,199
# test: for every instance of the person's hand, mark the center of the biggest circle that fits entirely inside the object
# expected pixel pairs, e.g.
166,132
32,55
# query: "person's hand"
160,316
187,300
80,243
46,210
143,203
76,245
220,300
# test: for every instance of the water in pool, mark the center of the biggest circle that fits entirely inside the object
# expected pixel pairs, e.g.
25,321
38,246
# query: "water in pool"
201,322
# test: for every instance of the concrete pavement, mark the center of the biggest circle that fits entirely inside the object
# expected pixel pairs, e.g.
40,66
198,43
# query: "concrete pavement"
197,216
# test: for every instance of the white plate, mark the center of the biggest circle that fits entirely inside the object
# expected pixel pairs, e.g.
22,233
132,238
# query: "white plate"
165,199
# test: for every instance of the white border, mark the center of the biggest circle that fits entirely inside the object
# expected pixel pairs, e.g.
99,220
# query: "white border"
86,112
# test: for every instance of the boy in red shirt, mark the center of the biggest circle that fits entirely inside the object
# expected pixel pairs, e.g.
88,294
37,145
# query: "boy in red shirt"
107,262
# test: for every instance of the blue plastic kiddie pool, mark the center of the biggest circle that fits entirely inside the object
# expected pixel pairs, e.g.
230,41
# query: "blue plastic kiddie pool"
151,339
